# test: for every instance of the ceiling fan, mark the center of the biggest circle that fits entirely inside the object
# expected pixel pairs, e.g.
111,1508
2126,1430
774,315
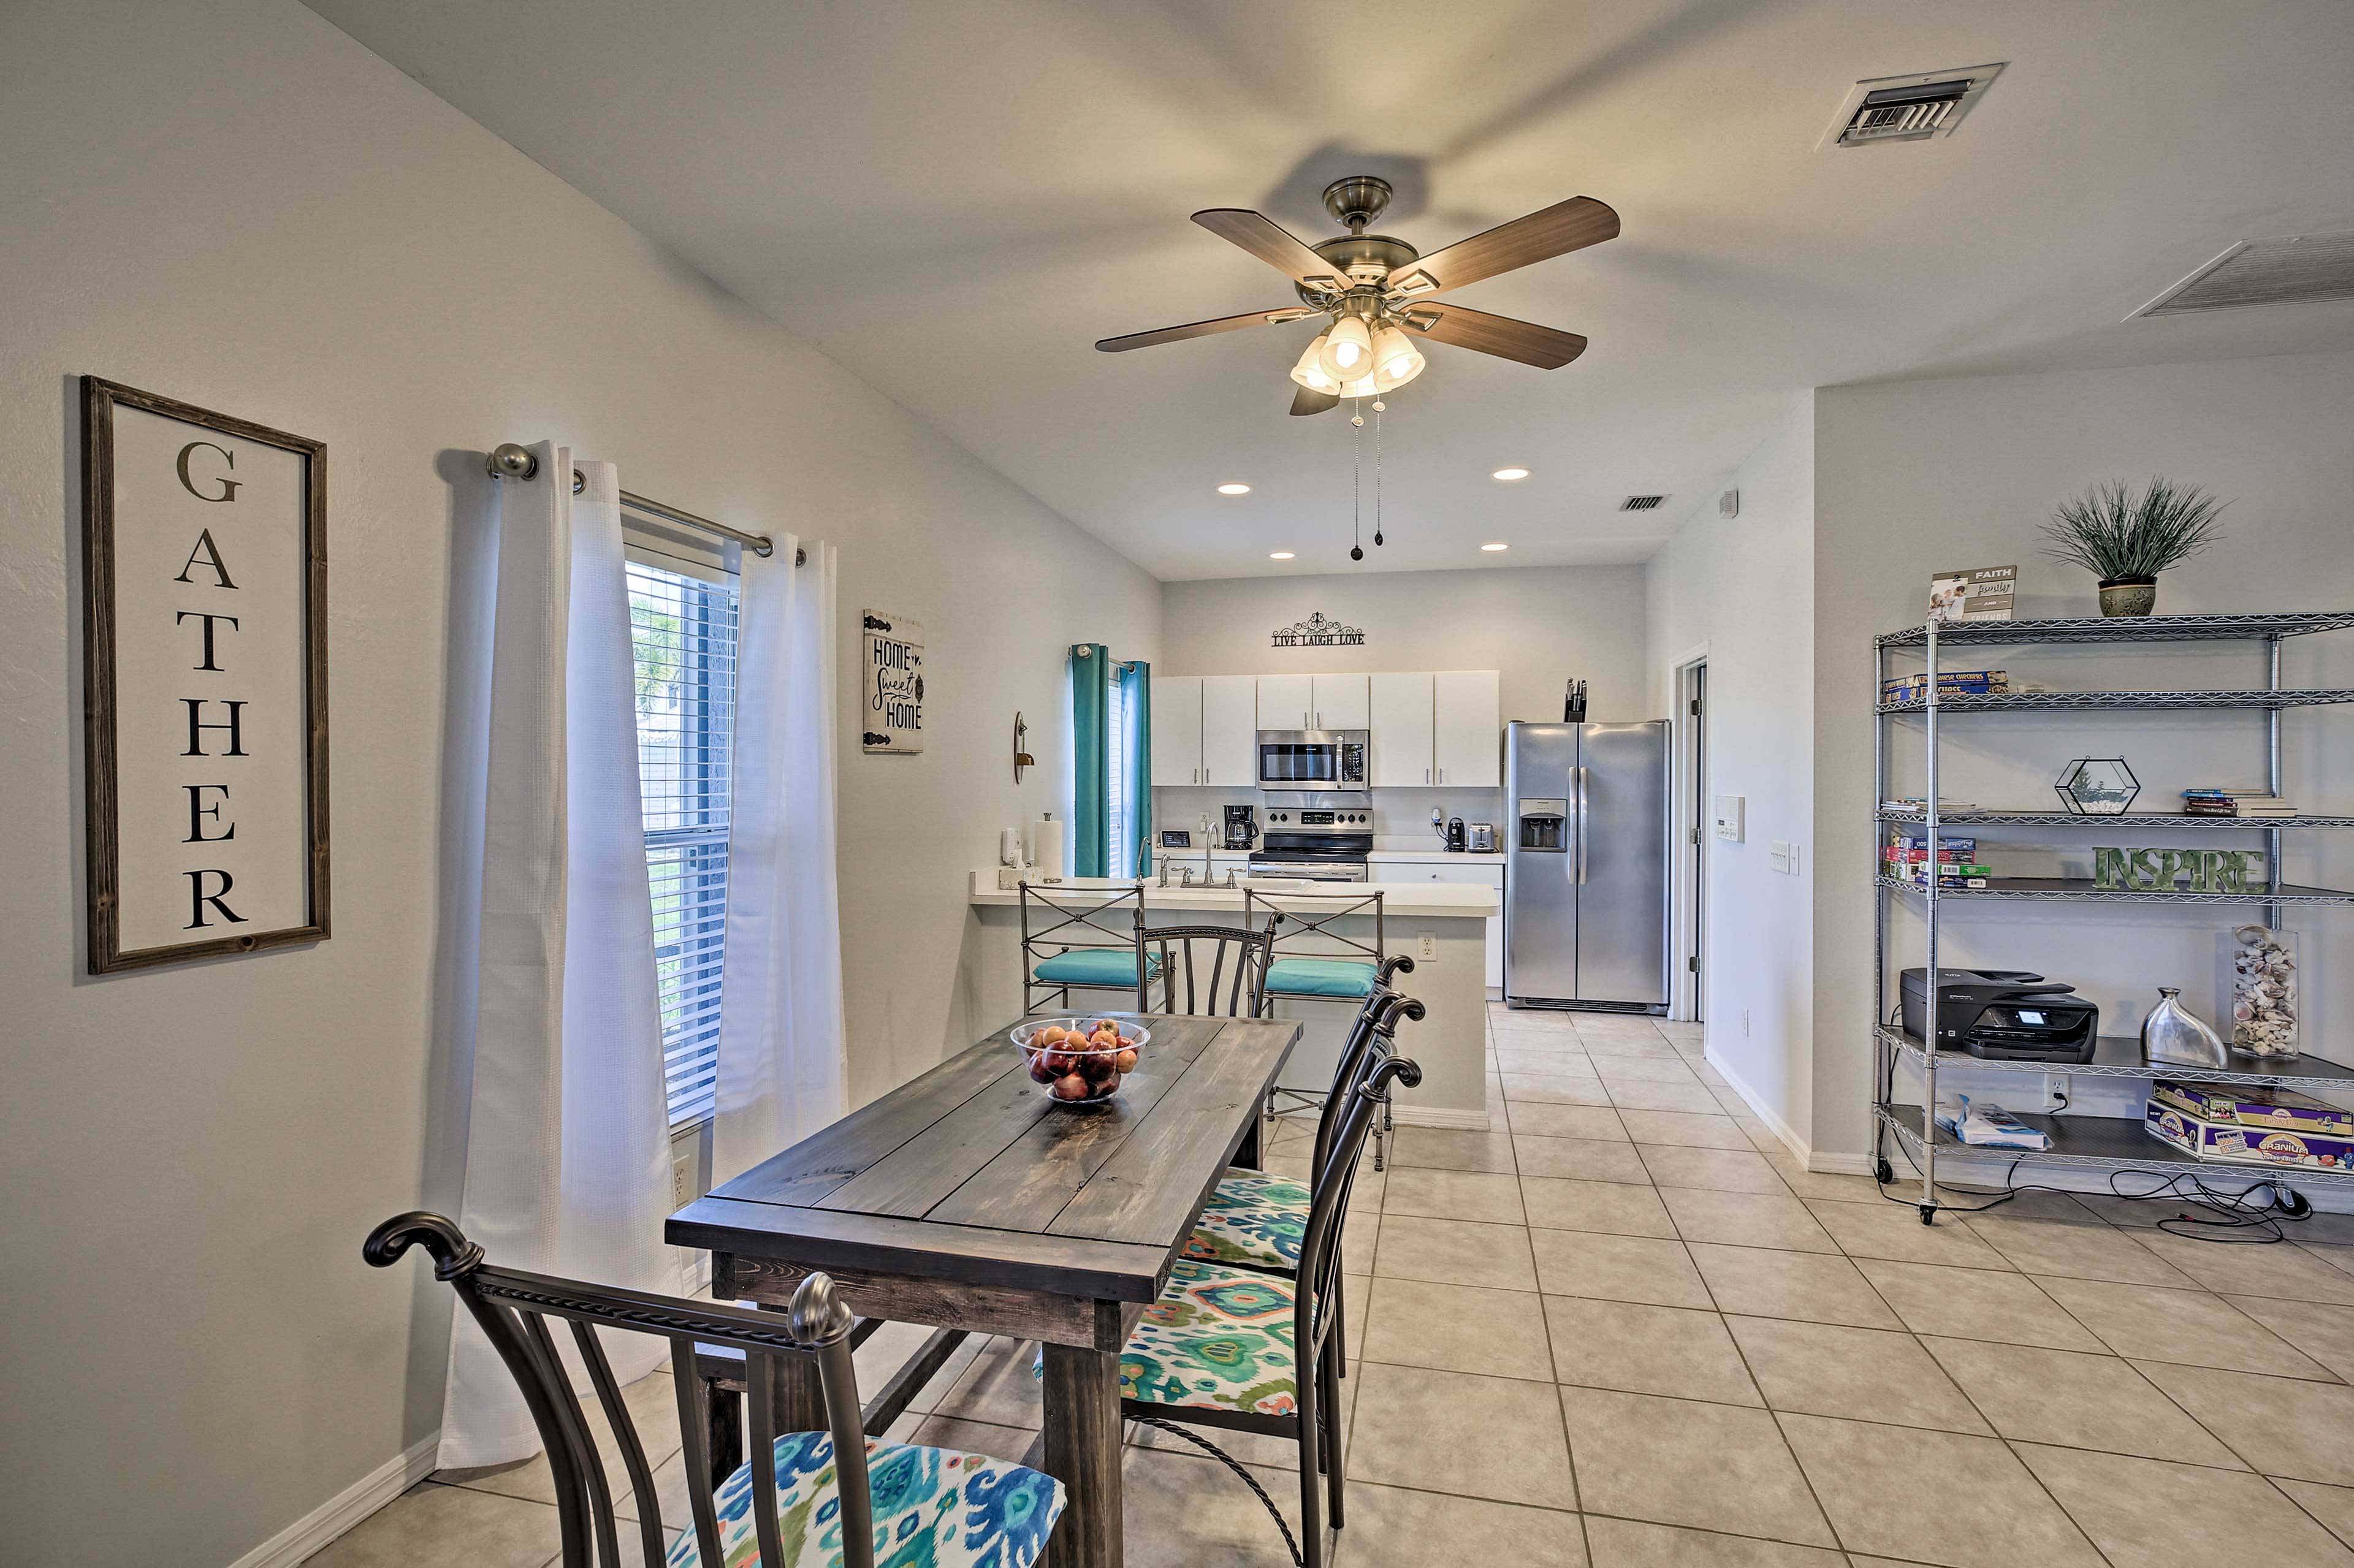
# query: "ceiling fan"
1375,291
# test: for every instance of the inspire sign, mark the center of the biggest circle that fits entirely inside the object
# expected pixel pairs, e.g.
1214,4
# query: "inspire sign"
205,655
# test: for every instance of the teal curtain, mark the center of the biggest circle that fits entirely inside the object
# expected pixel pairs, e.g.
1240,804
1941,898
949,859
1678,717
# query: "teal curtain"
1136,724
1090,778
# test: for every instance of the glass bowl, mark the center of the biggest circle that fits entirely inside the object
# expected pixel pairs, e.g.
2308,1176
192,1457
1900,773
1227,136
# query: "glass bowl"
1070,1065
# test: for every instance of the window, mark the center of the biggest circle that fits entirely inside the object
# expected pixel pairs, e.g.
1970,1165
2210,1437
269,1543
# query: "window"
683,632
1116,765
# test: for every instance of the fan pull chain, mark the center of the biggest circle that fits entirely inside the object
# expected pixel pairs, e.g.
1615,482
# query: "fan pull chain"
1377,474
1357,488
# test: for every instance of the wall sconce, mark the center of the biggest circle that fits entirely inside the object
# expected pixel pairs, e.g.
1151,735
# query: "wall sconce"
1022,758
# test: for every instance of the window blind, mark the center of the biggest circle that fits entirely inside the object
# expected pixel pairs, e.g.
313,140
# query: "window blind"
683,633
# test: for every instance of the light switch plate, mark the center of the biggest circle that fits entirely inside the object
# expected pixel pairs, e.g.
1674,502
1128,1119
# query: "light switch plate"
1729,812
1777,854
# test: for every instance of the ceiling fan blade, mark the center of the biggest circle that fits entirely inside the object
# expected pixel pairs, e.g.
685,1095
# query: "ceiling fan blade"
1259,235
1547,348
1307,402
1556,230
1202,329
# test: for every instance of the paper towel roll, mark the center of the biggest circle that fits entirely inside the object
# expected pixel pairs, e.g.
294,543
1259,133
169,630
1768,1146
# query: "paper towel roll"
1046,849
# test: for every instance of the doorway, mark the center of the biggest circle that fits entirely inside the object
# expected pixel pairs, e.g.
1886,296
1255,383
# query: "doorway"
1690,998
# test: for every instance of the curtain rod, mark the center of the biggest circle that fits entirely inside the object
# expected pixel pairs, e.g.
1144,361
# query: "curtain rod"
509,460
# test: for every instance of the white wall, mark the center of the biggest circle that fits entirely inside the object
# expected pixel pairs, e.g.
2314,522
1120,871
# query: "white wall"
235,205
1741,592
1538,625
1927,476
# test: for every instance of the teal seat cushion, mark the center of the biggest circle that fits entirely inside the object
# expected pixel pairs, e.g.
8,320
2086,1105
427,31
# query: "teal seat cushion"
933,1507
1321,977
1095,966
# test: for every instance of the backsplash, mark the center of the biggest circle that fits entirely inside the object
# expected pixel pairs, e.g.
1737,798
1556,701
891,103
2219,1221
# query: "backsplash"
1401,817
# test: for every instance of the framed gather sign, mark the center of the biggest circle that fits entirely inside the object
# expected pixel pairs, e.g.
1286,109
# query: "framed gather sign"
205,678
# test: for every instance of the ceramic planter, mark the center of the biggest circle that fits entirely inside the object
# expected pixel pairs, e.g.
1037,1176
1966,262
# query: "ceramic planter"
2128,595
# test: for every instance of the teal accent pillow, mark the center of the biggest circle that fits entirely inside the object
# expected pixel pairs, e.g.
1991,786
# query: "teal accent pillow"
1096,966
1321,977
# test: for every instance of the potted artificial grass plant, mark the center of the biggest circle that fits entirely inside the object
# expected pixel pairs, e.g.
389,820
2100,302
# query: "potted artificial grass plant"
2125,540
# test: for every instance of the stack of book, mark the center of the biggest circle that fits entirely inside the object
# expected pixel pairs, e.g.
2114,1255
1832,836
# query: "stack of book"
1908,855
2210,801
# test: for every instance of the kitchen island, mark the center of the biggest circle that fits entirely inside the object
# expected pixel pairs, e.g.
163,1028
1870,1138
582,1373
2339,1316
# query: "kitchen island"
1449,979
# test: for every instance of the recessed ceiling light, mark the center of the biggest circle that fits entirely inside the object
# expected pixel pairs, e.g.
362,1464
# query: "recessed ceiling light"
1509,475
1497,546
1279,554
1234,490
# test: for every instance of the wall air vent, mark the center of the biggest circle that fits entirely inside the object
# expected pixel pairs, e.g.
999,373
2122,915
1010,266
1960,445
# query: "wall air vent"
1642,503
1907,107
2293,270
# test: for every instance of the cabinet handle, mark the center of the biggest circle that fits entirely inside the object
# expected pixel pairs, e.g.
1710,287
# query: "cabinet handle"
1426,775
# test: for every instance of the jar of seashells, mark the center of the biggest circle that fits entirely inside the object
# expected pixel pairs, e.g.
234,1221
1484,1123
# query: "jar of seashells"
2261,986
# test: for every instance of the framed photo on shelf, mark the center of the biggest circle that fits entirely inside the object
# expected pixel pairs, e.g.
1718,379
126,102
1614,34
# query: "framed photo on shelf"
204,681
1980,593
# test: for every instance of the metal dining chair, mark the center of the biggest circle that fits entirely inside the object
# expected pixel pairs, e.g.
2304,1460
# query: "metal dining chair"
1313,960
1258,1220
1247,1351
1237,957
1081,938
833,1496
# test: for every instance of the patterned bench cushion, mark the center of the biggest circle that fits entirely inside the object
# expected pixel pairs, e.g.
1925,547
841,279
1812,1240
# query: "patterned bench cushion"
933,1509
1254,1219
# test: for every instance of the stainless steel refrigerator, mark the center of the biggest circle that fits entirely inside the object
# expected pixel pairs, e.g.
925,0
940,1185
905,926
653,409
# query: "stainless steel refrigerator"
1585,885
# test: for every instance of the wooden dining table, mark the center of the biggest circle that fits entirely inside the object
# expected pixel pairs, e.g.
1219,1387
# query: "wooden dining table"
970,1200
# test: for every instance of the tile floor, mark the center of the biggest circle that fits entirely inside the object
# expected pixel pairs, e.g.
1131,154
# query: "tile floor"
1660,1343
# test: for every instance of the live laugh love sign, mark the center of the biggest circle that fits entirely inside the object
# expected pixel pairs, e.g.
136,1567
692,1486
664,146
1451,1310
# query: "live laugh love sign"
204,571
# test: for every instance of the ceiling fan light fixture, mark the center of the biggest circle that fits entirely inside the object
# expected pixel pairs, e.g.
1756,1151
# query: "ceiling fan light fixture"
1396,359
1361,388
1311,371
1348,353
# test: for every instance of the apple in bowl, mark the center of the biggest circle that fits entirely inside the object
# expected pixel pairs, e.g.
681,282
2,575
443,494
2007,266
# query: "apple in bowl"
1080,1061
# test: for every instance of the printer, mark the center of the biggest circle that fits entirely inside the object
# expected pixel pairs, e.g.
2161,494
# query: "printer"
2002,1015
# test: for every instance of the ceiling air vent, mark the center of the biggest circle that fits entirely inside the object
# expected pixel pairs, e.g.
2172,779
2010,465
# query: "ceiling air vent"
1641,504
2293,270
1907,107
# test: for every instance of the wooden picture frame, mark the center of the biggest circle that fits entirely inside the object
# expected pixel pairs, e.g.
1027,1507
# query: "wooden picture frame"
136,628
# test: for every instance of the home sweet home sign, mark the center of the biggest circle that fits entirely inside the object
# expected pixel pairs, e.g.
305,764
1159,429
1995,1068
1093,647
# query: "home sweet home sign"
204,681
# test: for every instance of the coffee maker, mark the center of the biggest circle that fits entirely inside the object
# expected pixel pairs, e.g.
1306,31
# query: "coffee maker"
1242,827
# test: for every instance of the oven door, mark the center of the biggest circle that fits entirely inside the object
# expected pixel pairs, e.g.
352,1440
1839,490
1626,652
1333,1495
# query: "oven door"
1298,759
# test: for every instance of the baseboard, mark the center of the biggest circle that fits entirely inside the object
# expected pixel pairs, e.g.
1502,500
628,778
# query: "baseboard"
1437,1116
1824,1164
338,1514
1798,1147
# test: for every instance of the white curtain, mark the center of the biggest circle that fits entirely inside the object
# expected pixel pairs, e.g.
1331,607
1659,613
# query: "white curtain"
781,1056
568,1167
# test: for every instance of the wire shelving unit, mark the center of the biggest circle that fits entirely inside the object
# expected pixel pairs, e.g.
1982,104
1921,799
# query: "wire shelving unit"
2082,1142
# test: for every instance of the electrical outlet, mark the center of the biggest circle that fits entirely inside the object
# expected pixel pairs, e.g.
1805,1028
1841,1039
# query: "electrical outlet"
682,1178
1425,949
2055,1093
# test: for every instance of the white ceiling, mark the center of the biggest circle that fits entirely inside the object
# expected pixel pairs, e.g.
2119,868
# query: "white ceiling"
956,200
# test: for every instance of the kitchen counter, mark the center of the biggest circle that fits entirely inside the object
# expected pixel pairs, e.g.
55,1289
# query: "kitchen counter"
1442,926
1400,901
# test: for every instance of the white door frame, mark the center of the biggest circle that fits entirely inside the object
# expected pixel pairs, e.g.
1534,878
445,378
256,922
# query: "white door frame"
1687,989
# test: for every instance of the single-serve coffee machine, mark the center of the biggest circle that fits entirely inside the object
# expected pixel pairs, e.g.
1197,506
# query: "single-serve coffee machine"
1242,828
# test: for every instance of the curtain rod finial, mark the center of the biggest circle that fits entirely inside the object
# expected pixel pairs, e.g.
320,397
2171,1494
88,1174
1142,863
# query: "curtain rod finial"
509,460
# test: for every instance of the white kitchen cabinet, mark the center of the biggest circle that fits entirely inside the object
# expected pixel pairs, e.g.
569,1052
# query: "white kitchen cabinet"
1230,725
1286,702
1457,868
1467,750
1176,729
1340,702
1399,716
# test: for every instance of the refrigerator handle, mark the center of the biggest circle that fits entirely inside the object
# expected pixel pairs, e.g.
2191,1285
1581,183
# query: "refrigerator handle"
1577,780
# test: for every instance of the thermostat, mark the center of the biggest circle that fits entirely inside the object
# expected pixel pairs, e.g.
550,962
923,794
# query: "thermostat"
1729,812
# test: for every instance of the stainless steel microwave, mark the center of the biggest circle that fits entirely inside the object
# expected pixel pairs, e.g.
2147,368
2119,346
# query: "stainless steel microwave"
1295,759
